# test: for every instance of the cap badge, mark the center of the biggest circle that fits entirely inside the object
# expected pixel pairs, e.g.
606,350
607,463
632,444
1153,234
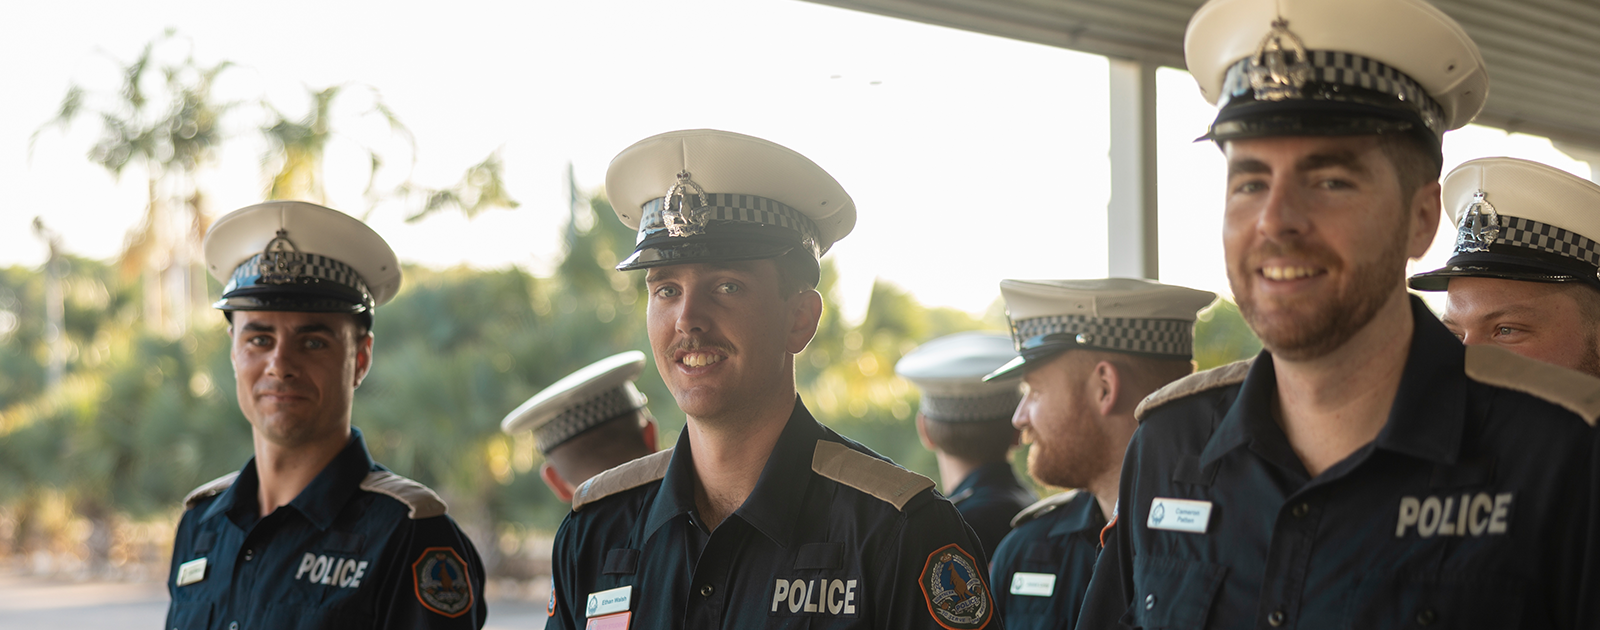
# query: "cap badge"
1480,226
1280,67
678,213
281,262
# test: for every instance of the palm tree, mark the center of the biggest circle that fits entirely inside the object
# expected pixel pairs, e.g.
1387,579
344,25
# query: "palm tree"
297,146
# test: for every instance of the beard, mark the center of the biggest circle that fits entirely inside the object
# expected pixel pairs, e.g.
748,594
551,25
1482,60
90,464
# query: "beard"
1072,458
1590,363
1308,328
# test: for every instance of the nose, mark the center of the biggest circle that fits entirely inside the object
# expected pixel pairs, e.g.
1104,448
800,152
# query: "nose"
1284,213
1020,418
693,311
282,362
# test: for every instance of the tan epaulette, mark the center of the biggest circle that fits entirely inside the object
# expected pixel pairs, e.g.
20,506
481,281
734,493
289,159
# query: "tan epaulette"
1575,391
625,477
422,501
209,489
1043,507
893,484
1230,374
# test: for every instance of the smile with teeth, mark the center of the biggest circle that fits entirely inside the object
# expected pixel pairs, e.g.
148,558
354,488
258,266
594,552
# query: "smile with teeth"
700,359
1289,273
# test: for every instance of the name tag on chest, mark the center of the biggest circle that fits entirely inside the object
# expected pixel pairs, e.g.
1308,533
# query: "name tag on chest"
191,572
1179,515
1033,584
606,602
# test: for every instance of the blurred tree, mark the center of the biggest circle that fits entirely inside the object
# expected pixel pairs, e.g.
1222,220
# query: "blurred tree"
297,147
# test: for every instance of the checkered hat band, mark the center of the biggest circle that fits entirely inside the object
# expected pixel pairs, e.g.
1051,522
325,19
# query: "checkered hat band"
586,415
319,267
997,406
1173,337
1339,68
738,209
1544,237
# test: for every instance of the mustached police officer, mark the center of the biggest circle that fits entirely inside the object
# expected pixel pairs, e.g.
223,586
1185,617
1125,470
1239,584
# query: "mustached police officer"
760,516
312,533
587,422
1090,351
1366,470
966,422
1526,271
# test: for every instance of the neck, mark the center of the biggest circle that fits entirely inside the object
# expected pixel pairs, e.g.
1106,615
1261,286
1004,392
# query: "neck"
1104,485
729,455
285,471
954,470
1334,404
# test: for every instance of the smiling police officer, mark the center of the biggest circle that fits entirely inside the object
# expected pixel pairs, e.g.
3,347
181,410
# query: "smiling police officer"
311,533
1524,274
760,516
1366,470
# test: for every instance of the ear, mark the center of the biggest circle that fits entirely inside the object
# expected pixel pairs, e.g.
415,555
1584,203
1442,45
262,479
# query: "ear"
1426,210
556,483
1105,387
805,314
651,435
922,432
363,357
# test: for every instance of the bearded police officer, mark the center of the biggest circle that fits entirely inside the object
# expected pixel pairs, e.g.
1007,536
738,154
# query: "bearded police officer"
311,533
1524,274
1091,350
1366,470
589,421
966,422
759,516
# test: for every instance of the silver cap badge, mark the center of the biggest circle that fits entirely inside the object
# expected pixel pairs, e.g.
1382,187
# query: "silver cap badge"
1480,226
678,212
1279,68
281,262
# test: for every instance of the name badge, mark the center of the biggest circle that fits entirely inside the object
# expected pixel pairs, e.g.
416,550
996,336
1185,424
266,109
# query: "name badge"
614,621
1179,515
191,572
1033,584
605,602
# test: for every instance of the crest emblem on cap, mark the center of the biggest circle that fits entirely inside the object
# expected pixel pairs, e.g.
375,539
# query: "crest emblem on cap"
281,261
678,212
1480,226
1280,67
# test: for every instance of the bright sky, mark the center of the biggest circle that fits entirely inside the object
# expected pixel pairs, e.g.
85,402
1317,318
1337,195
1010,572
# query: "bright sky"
970,158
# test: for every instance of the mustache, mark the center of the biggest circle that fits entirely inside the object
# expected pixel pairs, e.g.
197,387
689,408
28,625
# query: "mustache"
694,344
1313,254
279,388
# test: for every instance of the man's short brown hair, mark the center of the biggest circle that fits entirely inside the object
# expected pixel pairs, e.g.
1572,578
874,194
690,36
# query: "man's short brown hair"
983,441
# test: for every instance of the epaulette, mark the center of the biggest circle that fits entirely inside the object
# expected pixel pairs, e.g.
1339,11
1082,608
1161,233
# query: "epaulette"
422,500
625,477
1575,391
1043,506
209,489
1230,374
881,479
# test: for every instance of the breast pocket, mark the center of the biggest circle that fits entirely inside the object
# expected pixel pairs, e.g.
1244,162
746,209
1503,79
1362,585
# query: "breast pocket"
189,616
1447,600
1172,593
302,617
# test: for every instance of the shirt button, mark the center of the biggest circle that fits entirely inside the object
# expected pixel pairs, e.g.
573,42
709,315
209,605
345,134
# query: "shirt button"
249,554
233,626
1150,602
706,591
1276,618
1426,617
1300,510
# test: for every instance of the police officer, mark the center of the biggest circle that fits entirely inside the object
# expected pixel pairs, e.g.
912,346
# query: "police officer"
1091,350
966,422
760,516
1366,470
1524,273
312,533
587,422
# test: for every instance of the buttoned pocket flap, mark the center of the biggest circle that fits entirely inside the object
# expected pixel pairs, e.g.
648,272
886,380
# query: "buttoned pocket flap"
621,562
1453,599
1172,593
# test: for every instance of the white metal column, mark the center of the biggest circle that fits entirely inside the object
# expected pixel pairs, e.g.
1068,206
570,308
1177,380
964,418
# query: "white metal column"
1131,236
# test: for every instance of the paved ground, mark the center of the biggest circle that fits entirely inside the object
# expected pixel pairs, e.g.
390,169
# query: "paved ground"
28,603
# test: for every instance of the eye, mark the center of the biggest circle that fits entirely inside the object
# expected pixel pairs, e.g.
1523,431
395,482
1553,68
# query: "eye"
1336,184
1505,331
1248,187
259,341
666,291
315,344
729,287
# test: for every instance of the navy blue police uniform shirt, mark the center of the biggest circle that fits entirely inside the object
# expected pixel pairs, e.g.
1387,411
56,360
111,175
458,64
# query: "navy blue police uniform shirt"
988,498
1469,509
360,547
1042,569
833,536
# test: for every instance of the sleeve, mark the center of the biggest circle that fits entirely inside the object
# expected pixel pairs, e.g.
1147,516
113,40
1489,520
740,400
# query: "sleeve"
936,578
560,611
432,578
180,549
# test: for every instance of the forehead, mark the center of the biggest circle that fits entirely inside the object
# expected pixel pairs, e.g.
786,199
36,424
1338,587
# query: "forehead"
1297,148
760,269
291,320
1467,296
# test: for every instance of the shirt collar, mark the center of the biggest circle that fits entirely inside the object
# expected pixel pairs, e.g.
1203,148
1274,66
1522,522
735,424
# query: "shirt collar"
773,507
320,501
1080,514
1426,420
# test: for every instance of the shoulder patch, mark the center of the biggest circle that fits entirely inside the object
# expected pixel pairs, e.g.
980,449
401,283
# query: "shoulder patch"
1575,391
1043,507
625,477
893,484
953,586
1223,376
422,500
209,489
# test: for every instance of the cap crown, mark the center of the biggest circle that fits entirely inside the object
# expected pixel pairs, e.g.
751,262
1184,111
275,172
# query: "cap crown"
581,400
950,372
313,230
